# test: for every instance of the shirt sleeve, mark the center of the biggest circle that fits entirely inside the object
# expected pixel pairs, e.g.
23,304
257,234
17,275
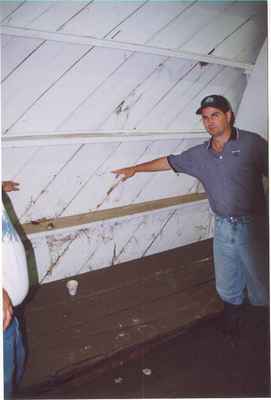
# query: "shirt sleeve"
186,162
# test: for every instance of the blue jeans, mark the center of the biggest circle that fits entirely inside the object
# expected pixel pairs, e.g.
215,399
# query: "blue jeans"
14,357
241,259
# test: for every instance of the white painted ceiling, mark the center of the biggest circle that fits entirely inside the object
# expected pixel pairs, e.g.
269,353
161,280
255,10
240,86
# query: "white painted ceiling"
99,66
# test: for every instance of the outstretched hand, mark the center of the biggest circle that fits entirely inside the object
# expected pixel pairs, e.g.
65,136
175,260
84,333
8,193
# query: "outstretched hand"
10,186
124,173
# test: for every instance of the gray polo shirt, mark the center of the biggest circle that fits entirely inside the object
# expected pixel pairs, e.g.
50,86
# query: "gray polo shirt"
232,179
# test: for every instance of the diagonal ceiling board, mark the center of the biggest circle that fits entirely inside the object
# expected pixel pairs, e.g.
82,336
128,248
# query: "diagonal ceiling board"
57,15
41,95
174,96
27,13
176,184
228,82
214,33
8,8
81,113
144,95
14,160
79,118
101,17
47,15
70,180
177,95
249,8
125,192
16,51
199,7
103,179
245,43
68,93
150,26
191,21
215,44
18,96
47,162
124,79
214,82
60,103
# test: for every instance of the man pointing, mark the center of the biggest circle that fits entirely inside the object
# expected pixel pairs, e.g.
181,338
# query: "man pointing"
230,166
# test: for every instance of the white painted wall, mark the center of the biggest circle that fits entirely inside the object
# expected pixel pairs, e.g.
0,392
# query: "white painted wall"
105,244
52,84
253,110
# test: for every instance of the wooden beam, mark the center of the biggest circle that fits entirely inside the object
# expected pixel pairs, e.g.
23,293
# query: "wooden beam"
48,225
94,137
133,47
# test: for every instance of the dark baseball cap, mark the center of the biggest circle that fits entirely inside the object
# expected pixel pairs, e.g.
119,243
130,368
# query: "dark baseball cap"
215,101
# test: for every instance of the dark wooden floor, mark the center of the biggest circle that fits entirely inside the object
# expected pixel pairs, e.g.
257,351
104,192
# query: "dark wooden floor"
155,313
198,362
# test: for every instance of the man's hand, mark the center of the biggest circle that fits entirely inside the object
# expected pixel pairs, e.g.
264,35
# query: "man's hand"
125,173
159,164
7,310
10,186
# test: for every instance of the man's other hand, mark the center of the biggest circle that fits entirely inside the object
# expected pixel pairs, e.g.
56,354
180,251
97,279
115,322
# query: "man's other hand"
10,186
7,310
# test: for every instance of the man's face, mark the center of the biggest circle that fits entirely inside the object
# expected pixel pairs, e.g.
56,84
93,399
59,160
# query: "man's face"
216,121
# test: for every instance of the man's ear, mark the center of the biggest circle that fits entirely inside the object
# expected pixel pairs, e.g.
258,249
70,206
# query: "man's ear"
229,116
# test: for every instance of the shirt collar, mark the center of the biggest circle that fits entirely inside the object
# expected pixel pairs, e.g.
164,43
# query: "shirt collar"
234,136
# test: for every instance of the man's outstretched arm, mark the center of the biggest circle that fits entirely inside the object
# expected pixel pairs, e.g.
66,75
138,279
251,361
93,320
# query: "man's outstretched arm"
159,164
